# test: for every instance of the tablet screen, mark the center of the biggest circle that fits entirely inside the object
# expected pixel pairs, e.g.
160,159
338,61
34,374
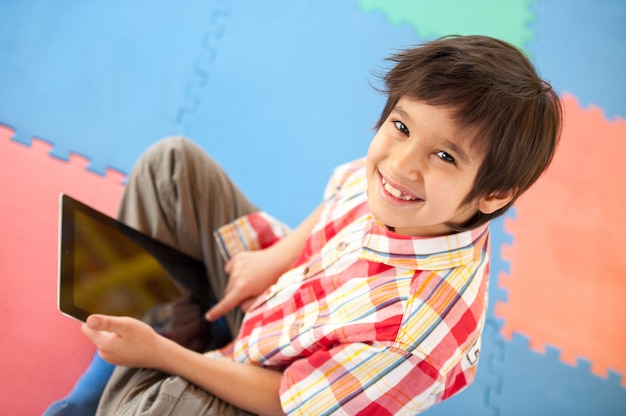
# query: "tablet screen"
106,267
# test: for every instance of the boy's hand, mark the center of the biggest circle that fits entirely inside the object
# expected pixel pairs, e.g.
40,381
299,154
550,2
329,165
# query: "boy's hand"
124,341
250,274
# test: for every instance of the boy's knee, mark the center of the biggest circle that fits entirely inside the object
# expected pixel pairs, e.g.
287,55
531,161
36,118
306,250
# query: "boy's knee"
175,142
166,154
174,159
172,145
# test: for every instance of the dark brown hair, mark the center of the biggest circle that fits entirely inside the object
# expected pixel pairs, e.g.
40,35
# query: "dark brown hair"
512,116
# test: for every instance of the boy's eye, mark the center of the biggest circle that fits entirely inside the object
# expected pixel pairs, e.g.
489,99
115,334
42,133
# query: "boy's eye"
445,157
400,126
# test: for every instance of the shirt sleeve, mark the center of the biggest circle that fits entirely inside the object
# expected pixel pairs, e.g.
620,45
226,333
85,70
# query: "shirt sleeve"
340,177
360,379
251,232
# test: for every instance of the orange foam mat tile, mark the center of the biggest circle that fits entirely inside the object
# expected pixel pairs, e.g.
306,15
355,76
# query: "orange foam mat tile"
42,353
567,278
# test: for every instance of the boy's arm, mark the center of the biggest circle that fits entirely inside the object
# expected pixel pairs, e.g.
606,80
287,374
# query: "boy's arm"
129,342
132,343
252,272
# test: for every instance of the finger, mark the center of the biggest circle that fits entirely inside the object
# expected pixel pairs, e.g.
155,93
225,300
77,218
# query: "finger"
230,301
245,305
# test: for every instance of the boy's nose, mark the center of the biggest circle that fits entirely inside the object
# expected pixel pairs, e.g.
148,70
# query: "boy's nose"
406,163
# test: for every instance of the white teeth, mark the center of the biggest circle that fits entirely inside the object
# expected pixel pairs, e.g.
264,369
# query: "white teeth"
396,192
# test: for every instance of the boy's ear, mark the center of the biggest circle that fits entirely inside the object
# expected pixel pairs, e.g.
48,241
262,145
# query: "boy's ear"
493,202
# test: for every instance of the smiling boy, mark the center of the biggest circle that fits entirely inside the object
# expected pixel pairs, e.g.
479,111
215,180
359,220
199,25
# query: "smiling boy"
420,168
376,303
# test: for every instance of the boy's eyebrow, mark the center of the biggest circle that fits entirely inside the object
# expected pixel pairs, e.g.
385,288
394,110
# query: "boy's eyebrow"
401,112
458,151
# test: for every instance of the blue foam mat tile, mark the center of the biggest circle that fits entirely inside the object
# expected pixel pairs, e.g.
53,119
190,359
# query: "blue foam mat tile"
540,384
100,76
299,97
475,399
579,47
20,136
216,26
277,92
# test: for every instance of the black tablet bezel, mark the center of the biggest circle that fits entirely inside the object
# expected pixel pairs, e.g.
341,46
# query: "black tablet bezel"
190,273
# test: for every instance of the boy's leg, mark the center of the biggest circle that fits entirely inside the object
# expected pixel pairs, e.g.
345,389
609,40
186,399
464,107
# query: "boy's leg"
179,195
141,391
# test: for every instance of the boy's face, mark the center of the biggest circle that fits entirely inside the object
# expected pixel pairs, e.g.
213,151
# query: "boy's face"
419,171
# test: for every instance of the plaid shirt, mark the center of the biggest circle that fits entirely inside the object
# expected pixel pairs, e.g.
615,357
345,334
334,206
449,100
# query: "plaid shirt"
368,321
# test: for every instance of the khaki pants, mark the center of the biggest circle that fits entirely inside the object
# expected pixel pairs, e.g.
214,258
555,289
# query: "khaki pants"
179,195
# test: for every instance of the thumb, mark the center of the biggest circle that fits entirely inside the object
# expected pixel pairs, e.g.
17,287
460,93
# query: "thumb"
102,323
94,322
97,329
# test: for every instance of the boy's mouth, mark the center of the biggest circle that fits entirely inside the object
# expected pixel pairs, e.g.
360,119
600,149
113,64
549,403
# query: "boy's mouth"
398,193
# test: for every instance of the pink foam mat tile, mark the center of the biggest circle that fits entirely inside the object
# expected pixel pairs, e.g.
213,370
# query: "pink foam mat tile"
566,284
42,352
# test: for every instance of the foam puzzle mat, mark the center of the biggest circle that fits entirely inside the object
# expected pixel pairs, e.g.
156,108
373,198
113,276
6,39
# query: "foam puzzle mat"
38,362
279,93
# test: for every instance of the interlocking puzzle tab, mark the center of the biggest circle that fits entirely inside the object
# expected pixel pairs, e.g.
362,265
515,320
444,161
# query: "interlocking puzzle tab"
566,284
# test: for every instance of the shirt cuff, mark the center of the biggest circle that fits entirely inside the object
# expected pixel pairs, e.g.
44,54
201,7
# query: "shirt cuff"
254,231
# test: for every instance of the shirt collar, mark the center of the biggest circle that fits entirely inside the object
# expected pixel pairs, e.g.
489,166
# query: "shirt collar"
432,253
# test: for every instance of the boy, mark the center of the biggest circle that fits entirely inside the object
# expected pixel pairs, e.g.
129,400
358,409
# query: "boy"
376,302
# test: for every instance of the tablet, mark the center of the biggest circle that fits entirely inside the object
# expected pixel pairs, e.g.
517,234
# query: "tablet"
106,267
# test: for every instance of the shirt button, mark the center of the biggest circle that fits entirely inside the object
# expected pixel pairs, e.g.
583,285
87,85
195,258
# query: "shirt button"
305,270
298,325
342,246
